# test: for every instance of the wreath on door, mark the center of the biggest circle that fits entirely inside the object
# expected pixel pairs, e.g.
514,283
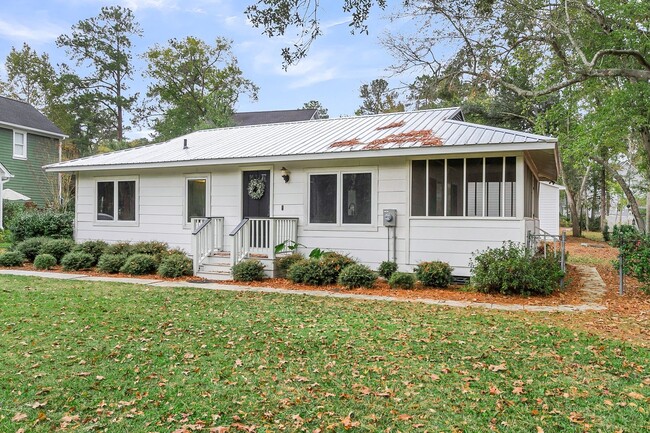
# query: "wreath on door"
256,188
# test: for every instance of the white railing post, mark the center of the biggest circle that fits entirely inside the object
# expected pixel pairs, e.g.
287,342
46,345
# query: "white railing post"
271,239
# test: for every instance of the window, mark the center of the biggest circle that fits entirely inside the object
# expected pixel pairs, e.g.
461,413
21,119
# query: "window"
116,200
340,198
472,187
20,145
197,198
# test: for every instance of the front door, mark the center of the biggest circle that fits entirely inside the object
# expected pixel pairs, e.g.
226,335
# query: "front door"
256,194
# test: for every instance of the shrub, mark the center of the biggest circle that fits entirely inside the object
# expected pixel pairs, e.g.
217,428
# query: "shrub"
357,275
308,271
283,263
248,270
175,265
12,258
401,280
111,263
45,261
386,269
606,236
95,248
512,270
31,247
139,264
124,248
331,264
58,248
155,249
11,210
76,261
47,223
635,249
434,274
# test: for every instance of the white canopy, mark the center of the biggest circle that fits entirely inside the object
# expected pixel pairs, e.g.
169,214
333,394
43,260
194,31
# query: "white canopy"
10,194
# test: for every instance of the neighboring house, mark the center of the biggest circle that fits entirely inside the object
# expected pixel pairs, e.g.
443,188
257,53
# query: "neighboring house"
449,187
248,118
28,140
549,207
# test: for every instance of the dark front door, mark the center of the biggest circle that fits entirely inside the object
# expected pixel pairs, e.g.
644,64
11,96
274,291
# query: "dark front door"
256,193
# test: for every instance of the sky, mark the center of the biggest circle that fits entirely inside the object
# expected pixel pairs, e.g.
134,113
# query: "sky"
338,63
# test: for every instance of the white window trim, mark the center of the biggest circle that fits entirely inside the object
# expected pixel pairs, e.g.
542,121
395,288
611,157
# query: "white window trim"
196,176
339,225
13,145
117,222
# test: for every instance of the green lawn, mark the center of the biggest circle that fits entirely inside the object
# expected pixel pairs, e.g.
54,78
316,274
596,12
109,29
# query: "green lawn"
121,358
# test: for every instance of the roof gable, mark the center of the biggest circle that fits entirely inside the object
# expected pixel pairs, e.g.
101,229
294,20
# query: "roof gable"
21,114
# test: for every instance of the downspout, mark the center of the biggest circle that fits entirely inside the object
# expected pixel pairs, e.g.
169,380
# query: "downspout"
60,176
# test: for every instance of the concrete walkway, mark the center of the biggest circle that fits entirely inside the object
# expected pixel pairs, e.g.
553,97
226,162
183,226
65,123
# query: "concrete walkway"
589,306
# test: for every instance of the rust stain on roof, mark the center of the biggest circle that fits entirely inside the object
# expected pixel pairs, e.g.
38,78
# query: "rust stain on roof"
345,143
425,137
391,125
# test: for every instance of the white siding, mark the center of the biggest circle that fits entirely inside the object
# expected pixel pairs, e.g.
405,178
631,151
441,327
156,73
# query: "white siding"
549,208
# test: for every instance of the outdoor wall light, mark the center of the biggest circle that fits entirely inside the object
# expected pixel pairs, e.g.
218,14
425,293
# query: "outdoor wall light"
285,174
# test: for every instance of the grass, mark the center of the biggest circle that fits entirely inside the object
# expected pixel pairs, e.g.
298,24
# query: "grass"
124,358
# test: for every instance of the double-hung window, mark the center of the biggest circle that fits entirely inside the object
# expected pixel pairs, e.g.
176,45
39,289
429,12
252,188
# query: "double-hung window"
116,200
470,187
341,198
20,145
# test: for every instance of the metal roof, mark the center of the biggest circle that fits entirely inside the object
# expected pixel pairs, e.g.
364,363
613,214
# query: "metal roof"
350,137
247,118
20,114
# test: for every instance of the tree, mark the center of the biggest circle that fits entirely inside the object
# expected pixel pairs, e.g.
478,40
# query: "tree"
377,98
316,105
103,44
30,77
194,86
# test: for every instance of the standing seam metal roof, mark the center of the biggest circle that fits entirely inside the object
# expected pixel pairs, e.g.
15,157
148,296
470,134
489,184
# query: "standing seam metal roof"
391,131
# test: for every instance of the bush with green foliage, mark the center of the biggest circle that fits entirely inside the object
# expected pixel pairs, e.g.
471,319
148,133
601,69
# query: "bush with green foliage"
93,247
124,248
31,247
48,223
511,270
158,250
140,264
434,274
308,271
357,275
635,249
175,265
45,261
11,259
332,263
606,234
283,263
386,269
401,280
11,209
248,270
58,248
77,261
111,263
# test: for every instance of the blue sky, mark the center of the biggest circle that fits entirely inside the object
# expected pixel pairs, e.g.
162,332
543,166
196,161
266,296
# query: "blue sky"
337,64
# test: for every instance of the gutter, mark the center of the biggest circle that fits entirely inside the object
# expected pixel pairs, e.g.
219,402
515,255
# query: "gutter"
35,130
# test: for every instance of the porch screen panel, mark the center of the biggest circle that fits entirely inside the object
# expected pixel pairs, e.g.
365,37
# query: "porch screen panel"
474,187
126,200
105,201
322,198
357,198
196,198
455,187
510,187
436,187
419,188
493,185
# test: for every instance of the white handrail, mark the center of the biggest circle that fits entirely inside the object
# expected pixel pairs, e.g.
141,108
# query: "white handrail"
259,236
207,238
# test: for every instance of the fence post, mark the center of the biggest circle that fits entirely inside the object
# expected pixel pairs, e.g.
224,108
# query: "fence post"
621,280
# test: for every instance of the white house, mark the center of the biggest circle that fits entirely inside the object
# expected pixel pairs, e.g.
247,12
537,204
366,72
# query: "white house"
451,187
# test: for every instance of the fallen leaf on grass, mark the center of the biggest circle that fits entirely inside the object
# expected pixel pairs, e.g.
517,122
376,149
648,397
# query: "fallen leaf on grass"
348,423
496,368
404,417
636,395
19,417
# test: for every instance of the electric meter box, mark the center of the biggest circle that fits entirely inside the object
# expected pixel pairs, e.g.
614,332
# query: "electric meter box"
390,217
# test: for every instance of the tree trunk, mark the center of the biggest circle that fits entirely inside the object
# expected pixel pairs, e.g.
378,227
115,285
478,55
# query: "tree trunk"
634,205
573,207
603,199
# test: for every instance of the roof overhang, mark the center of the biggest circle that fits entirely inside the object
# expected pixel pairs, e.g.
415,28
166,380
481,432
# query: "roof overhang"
33,130
4,174
540,153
